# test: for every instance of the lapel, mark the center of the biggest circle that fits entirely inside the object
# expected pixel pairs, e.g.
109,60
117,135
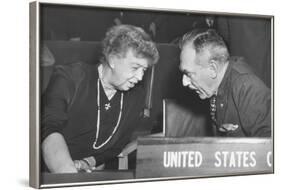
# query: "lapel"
222,96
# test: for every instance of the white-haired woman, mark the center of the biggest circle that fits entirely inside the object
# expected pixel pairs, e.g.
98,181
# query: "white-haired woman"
89,111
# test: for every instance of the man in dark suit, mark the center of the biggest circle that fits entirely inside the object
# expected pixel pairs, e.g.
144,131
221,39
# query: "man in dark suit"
240,103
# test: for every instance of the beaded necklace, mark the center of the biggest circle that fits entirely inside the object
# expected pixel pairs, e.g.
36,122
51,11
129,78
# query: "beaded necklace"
98,119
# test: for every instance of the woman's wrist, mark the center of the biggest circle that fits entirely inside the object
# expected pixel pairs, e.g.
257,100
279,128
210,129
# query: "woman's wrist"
91,161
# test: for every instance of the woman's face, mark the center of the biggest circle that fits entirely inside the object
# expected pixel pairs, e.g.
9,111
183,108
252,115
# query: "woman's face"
127,70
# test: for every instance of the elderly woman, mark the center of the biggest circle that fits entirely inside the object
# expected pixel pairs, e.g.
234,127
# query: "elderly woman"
89,112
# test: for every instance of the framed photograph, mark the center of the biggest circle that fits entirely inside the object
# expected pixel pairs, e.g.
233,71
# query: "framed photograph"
131,94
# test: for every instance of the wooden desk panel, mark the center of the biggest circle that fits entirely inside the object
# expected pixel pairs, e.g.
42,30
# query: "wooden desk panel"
50,180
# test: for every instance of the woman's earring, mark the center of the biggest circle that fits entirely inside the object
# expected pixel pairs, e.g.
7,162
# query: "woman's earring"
214,75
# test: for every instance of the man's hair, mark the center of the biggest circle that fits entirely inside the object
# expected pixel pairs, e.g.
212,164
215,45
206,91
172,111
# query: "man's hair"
207,39
119,39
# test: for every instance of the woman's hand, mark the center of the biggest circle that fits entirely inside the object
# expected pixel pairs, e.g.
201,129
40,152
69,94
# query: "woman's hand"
87,165
82,166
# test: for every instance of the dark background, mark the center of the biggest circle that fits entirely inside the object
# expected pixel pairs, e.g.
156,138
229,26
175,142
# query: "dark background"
249,37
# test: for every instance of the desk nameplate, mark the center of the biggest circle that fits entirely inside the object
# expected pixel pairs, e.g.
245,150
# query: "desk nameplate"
195,157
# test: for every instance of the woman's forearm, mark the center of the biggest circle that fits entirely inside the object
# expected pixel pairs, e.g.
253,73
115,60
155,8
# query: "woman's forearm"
56,154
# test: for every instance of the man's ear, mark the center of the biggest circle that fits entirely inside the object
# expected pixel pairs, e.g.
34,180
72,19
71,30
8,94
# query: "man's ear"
213,66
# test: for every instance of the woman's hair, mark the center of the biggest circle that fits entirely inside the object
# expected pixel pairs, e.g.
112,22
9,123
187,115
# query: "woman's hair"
203,39
119,39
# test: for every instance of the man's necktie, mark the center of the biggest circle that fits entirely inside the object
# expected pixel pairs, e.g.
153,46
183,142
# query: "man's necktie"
213,109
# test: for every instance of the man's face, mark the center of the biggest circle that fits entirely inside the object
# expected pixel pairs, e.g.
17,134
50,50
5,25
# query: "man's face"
127,71
196,71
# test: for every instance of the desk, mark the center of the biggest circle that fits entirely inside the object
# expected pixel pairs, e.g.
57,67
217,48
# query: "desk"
186,157
83,178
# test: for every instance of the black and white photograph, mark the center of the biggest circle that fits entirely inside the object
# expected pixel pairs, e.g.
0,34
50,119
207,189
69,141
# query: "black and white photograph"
132,94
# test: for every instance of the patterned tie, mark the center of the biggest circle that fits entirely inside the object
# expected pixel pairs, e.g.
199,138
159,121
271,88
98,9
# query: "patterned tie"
213,109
